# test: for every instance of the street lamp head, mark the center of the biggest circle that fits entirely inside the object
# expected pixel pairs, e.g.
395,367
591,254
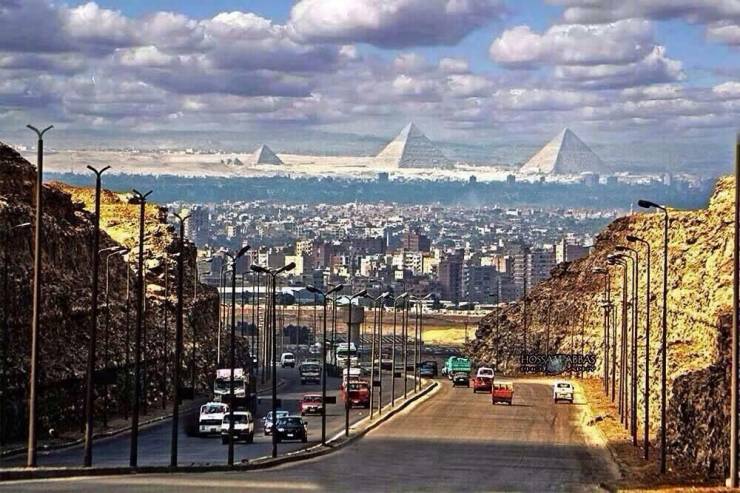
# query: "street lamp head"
259,269
384,295
646,204
286,268
599,270
361,294
621,248
633,238
20,226
313,289
241,252
335,289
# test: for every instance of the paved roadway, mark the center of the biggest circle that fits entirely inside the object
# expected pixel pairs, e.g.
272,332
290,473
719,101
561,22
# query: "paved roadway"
455,441
154,440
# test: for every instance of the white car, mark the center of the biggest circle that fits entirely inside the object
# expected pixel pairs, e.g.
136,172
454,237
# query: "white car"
485,371
243,427
287,359
211,417
563,391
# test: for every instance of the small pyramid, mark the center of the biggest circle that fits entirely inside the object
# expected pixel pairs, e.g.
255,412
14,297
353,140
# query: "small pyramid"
412,149
264,155
566,154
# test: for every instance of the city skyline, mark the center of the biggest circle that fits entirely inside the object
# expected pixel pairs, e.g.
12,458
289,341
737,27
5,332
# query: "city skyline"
475,73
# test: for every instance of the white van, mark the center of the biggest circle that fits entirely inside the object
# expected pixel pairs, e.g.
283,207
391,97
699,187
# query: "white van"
563,391
287,359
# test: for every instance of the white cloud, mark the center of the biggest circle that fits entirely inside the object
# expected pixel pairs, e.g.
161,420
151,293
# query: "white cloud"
727,90
573,44
468,85
391,23
724,32
454,65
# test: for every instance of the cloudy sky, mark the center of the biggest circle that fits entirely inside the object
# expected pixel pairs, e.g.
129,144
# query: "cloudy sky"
472,71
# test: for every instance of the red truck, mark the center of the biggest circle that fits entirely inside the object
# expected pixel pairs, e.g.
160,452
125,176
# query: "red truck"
483,379
502,392
359,393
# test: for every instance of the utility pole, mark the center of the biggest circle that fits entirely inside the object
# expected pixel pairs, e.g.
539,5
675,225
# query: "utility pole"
178,339
37,234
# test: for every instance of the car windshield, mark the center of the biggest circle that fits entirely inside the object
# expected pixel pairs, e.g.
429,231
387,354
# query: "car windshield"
357,386
290,422
288,356
564,386
280,414
312,398
311,367
223,384
213,409
238,418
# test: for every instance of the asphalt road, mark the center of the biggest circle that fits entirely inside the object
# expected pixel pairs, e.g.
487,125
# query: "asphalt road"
454,441
154,440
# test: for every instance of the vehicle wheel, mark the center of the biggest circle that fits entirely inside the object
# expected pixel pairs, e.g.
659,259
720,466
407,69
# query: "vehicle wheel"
304,439
224,440
509,403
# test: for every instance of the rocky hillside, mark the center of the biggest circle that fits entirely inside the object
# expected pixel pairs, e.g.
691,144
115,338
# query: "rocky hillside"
66,292
699,317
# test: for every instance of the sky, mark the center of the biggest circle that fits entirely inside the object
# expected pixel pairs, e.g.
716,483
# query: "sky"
477,72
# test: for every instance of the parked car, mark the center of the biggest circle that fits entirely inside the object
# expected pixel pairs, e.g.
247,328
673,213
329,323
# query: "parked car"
243,427
311,404
267,420
460,378
502,391
563,391
291,428
287,359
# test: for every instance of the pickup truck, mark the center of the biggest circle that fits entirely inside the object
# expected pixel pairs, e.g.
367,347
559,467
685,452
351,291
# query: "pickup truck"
502,392
456,364
310,373
483,379
358,395
243,427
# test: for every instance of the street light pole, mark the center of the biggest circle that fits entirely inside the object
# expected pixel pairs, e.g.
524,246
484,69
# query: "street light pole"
620,260
664,342
232,350
605,359
273,273
134,452
38,220
178,337
348,400
393,353
90,384
646,438
635,318
324,298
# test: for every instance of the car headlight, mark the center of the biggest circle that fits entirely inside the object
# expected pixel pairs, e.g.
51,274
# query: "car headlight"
281,430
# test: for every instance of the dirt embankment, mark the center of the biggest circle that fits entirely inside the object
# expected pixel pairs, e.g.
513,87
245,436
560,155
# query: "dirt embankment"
565,314
66,300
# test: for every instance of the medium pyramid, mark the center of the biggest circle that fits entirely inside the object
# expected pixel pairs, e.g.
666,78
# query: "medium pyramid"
566,154
264,155
412,149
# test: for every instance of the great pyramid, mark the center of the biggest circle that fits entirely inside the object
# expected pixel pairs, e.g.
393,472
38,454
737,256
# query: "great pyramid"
264,155
566,154
412,149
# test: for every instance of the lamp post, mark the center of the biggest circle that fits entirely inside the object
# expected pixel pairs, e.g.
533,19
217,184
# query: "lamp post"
140,199
348,400
646,438
606,305
620,260
664,344
6,325
178,337
635,318
33,377
401,297
419,326
232,350
106,350
324,297
273,273
377,332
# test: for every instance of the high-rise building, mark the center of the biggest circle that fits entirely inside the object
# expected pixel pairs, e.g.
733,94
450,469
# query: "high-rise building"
197,228
568,252
450,276
415,241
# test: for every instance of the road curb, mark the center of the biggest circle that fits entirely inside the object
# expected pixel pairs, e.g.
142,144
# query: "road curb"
334,444
112,433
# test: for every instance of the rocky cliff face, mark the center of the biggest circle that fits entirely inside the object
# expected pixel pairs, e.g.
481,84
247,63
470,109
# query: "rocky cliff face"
66,295
568,309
